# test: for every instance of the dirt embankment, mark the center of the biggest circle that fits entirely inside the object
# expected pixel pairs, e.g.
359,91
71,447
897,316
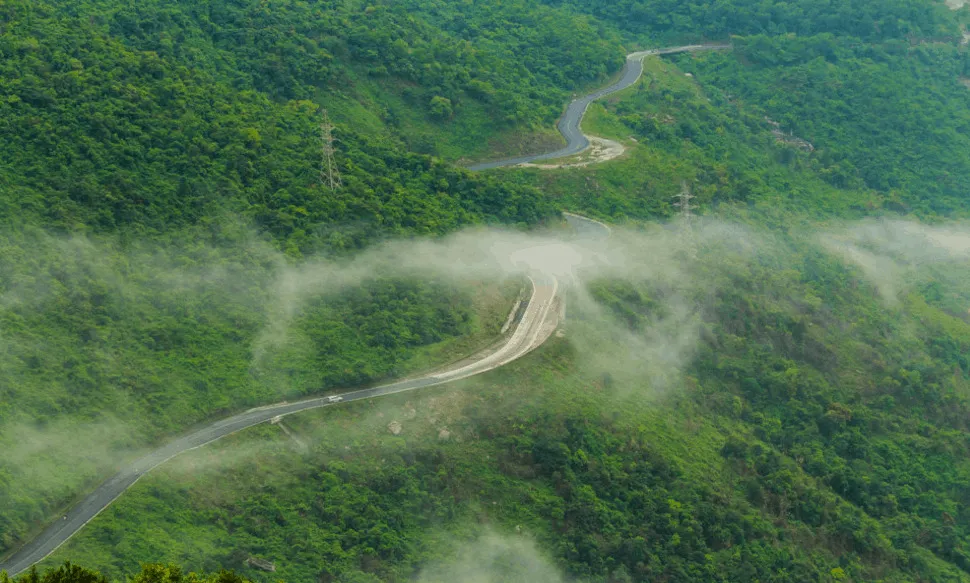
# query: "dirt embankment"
600,150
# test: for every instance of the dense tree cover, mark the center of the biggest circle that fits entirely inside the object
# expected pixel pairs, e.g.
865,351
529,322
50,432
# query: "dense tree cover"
889,439
874,86
678,128
107,348
822,436
853,415
891,117
186,170
101,135
718,19
534,37
162,161
873,419
505,76
533,453
150,573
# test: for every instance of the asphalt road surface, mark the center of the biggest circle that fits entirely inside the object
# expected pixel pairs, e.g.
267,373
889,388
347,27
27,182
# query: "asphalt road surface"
569,124
587,227
526,337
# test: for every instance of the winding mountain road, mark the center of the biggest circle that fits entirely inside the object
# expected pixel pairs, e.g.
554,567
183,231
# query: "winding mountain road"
569,123
534,327
536,324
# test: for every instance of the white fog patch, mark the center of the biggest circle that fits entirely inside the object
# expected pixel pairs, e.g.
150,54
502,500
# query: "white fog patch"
650,356
59,457
459,259
893,255
646,350
262,294
494,559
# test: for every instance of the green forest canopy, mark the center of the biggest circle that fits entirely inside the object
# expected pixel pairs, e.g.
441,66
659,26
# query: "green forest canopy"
193,128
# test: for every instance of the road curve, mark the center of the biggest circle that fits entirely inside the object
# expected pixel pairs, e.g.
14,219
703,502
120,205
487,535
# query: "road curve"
527,336
587,227
569,123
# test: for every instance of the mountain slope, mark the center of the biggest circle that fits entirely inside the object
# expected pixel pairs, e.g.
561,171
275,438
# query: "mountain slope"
794,403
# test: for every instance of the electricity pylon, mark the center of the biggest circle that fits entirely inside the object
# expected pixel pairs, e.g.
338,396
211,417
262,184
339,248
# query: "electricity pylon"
686,220
329,173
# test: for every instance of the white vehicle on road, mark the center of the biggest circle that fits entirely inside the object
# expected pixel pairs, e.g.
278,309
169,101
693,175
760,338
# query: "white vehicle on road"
335,399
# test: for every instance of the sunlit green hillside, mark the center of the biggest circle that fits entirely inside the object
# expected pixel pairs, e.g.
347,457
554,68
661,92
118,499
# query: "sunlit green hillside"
777,391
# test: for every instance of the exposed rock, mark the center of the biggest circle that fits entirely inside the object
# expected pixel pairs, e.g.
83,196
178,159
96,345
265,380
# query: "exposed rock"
789,138
394,427
444,434
261,564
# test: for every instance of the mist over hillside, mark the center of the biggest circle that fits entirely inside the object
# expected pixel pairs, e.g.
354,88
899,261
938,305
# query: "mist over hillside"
758,369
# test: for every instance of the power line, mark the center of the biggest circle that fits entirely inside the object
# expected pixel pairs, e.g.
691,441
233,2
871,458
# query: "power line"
686,220
329,173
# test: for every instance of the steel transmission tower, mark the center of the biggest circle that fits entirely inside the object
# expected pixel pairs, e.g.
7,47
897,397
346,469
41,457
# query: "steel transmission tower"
686,216
329,173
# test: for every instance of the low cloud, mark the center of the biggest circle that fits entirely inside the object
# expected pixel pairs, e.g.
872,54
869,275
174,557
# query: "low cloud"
895,255
55,461
251,287
141,296
494,559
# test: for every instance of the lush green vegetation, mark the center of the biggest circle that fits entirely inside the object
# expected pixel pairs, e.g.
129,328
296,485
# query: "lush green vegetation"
388,67
151,204
105,136
818,435
106,349
876,88
676,128
889,117
160,189
150,573
718,19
